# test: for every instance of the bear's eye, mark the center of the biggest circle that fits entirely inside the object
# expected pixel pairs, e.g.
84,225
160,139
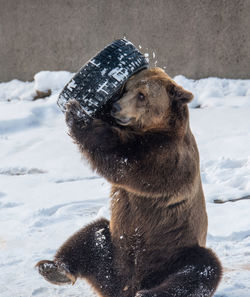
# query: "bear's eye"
140,97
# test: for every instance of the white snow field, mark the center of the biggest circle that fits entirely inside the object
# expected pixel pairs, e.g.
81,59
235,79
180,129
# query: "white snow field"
47,191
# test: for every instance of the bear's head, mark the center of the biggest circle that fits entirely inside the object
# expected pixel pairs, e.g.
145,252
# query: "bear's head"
151,100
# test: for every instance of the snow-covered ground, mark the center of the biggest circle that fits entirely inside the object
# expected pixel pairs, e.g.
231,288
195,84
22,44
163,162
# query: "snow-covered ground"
47,192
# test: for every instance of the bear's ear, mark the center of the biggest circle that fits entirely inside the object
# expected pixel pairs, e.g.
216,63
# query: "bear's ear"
179,94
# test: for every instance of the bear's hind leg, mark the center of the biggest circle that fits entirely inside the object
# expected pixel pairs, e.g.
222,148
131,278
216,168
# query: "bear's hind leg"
55,273
87,254
197,274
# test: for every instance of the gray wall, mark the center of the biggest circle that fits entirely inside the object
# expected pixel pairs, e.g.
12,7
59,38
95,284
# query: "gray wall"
197,38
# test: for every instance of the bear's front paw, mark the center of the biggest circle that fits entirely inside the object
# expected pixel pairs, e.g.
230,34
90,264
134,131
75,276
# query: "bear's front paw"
55,273
75,115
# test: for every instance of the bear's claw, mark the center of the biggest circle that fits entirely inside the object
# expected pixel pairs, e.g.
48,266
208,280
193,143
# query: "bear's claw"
76,114
55,273
143,293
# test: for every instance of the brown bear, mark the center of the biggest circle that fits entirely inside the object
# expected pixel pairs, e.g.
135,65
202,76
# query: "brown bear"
154,244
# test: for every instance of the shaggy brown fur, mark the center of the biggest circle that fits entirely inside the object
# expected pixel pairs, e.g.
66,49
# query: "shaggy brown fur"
154,244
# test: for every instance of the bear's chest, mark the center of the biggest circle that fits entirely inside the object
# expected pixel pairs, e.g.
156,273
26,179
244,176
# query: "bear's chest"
145,232
137,231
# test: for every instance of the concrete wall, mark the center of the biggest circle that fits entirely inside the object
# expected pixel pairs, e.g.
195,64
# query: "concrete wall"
197,38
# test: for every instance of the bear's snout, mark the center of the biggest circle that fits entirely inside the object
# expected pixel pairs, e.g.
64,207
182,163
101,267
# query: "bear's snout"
115,108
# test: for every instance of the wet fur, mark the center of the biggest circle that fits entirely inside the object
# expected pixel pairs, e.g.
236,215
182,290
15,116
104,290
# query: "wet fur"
154,244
